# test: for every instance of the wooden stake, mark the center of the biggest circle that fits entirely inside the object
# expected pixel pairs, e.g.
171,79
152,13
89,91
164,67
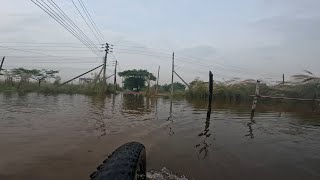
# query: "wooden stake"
210,94
115,76
255,99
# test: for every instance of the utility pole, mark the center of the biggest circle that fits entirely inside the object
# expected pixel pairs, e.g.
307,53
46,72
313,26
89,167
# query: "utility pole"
158,81
172,74
2,64
104,84
115,76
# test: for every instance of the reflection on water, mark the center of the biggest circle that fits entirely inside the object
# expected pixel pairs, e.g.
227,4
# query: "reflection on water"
136,104
180,135
250,132
98,109
171,132
203,147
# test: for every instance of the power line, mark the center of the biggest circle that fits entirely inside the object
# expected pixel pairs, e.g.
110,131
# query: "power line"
121,49
188,61
33,52
57,15
234,68
57,43
50,46
218,68
72,23
63,23
57,49
86,22
143,54
92,21
76,57
114,57
143,47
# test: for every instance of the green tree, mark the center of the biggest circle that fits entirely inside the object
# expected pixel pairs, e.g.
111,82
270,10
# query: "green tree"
136,79
22,74
36,74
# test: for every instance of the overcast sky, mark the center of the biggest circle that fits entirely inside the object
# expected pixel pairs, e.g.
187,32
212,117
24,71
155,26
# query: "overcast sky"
246,39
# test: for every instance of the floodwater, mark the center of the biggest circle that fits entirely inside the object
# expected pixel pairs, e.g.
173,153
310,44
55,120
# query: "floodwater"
68,136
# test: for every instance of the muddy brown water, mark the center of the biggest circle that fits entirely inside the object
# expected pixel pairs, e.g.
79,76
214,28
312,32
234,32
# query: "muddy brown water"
67,136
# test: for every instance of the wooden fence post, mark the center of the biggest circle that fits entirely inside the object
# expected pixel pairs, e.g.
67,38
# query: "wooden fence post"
255,99
210,94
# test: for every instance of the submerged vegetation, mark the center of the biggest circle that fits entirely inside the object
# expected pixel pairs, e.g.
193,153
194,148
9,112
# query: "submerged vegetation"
51,88
301,86
46,81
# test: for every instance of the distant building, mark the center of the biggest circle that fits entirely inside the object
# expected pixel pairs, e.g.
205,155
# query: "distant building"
85,80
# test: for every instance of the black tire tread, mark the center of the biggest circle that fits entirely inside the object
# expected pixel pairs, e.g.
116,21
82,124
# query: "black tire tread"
121,164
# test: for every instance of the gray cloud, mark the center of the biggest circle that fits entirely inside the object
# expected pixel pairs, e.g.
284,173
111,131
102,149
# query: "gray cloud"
281,36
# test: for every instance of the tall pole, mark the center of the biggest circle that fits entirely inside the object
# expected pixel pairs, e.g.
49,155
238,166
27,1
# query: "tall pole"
172,74
158,80
282,79
115,76
2,63
105,68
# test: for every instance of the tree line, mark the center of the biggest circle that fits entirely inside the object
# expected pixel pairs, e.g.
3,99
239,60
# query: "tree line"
39,75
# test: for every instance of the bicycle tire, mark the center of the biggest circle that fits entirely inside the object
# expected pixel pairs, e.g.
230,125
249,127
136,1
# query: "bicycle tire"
128,162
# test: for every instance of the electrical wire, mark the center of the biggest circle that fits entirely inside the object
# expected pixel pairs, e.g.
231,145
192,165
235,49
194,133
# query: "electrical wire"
143,47
218,68
15,49
233,68
57,15
70,57
44,43
195,62
64,47
58,49
86,22
66,26
92,21
143,54
70,21
143,51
